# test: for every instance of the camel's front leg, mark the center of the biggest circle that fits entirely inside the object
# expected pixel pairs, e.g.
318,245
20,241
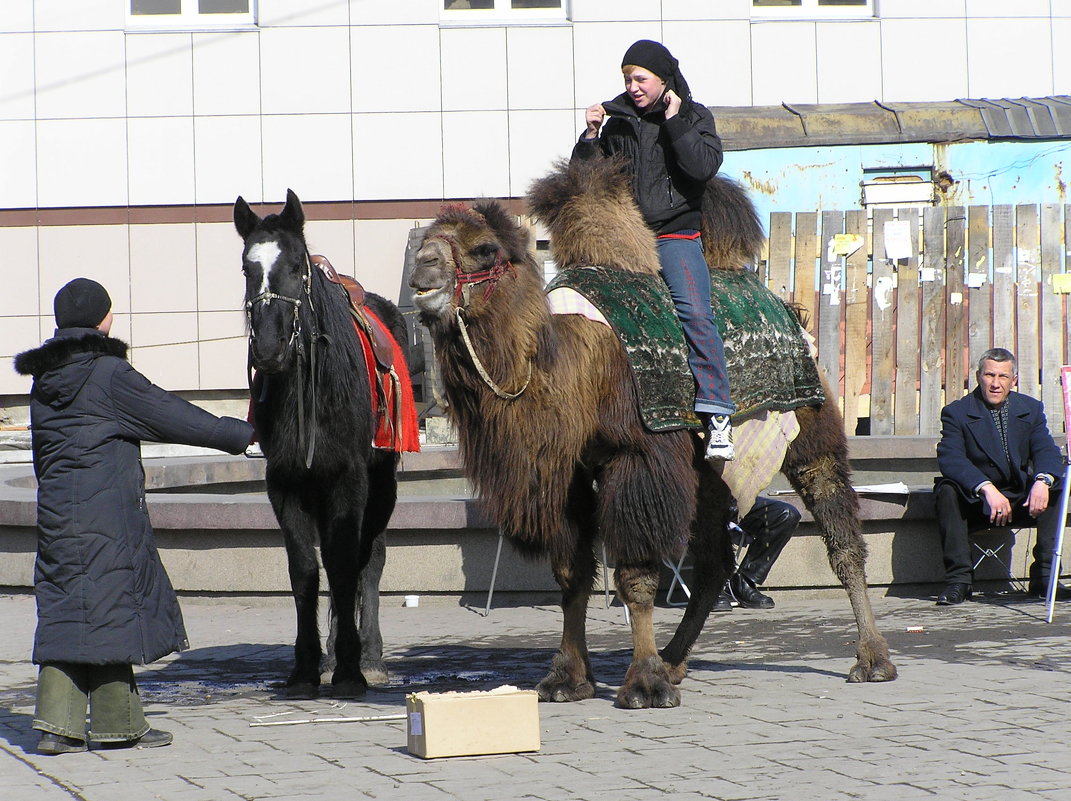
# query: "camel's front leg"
570,677
647,682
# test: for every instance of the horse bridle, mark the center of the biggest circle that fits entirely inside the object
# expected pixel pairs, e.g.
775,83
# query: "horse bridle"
295,336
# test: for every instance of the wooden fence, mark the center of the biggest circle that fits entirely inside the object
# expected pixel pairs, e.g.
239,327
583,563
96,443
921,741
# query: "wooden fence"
902,304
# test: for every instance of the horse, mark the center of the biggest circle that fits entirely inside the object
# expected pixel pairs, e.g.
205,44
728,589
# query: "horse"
312,406
546,409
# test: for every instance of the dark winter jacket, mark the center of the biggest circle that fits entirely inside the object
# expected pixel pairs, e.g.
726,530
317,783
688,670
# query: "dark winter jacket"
672,160
102,594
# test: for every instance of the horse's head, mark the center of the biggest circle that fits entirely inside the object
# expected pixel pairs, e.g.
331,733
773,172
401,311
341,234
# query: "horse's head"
464,255
276,266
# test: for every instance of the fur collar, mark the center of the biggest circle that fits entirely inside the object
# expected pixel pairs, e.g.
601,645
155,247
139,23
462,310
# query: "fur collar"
62,348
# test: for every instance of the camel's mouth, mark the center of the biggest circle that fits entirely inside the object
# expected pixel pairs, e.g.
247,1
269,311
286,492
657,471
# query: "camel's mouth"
432,301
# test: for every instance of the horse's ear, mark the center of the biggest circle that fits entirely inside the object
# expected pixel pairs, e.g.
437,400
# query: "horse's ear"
245,219
292,215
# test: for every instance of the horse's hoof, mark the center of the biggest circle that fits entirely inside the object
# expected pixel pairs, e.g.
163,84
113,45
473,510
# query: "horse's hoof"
562,692
348,688
301,690
375,675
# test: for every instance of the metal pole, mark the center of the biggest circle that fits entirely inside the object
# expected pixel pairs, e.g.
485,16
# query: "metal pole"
1054,570
494,575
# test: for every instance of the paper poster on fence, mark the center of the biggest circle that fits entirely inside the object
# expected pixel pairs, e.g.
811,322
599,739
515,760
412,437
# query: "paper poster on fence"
898,240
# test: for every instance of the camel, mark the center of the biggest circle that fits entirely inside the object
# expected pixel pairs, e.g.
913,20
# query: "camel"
546,411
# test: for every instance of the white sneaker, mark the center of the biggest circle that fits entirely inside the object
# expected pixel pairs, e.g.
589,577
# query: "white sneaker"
254,451
720,439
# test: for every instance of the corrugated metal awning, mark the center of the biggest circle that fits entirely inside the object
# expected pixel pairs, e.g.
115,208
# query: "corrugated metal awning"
824,124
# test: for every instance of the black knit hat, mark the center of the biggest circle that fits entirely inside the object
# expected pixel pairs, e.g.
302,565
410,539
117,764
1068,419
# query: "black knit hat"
82,303
655,57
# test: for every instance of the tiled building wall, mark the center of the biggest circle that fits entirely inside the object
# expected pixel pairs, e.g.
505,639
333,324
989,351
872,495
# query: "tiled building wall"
379,101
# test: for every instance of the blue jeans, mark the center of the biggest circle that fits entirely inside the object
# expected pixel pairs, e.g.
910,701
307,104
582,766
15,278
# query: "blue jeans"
685,271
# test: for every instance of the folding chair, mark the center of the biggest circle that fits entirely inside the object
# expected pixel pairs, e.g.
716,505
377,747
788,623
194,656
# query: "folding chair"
998,554
740,539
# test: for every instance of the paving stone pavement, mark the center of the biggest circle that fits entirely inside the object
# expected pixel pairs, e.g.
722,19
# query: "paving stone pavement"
980,710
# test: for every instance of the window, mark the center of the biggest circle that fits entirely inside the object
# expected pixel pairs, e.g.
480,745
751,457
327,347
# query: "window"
190,14
462,11
812,9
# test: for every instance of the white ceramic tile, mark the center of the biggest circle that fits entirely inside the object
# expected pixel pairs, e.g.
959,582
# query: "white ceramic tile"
334,239
1061,58
311,154
21,294
304,70
1061,8
540,67
381,256
906,78
597,52
287,13
164,349
227,159
616,11
913,9
475,154
989,72
473,68
18,187
706,10
715,59
226,73
849,62
412,81
1004,8
220,284
163,268
222,350
78,15
416,174
80,74
378,12
783,63
100,252
160,160
66,177
17,334
16,91
536,140
159,75
16,16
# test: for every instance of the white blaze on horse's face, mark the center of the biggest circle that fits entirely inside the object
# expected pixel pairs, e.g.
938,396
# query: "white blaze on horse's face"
265,254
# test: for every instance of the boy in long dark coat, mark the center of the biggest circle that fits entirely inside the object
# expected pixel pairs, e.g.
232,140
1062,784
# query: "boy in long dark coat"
104,601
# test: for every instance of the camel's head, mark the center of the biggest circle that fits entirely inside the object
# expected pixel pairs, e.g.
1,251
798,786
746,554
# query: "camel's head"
588,207
464,255
276,268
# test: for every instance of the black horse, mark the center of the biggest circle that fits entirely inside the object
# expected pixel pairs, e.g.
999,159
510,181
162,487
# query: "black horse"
312,407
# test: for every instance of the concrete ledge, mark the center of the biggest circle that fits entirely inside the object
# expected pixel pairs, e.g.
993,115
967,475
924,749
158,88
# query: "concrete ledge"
442,542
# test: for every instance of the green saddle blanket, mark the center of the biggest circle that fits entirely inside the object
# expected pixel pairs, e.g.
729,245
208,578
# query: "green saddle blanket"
767,358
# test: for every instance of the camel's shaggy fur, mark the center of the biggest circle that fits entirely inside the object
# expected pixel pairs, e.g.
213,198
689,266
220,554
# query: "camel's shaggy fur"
568,461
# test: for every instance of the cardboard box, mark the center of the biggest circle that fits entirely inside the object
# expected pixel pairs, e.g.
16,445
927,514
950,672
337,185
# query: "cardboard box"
500,721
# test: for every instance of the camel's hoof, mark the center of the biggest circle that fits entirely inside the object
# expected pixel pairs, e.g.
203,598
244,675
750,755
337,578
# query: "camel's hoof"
883,670
676,673
375,675
301,690
648,684
555,690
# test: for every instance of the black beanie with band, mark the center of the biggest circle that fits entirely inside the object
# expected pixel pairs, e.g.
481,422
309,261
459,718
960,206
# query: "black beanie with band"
82,303
655,57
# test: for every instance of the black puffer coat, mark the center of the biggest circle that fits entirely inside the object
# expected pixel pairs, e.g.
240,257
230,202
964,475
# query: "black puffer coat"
103,596
671,160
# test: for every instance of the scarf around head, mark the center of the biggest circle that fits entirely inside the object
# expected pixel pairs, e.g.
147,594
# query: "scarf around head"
655,57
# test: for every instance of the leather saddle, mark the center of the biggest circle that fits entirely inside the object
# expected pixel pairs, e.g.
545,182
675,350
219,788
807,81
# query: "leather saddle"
382,346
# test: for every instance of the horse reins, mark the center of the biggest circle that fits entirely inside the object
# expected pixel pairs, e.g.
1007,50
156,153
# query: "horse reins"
295,336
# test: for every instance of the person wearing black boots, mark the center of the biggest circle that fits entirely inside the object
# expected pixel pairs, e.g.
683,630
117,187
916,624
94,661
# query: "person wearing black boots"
765,530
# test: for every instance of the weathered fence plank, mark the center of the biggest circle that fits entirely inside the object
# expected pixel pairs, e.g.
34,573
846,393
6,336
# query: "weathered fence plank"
934,303
956,355
779,266
980,294
1026,298
883,325
908,346
831,309
856,317
803,281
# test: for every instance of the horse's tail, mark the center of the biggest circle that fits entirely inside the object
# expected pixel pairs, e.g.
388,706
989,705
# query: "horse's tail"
732,231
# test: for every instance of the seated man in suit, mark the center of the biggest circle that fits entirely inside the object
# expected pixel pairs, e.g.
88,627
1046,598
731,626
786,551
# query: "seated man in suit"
998,466
766,530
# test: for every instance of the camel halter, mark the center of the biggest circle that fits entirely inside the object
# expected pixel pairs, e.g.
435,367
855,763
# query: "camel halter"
304,425
495,388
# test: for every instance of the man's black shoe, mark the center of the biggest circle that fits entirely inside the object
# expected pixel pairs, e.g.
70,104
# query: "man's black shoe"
747,595
724,602
52,744
1039,589
954,594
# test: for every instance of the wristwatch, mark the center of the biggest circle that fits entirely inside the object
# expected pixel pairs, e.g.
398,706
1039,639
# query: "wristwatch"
1044,478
